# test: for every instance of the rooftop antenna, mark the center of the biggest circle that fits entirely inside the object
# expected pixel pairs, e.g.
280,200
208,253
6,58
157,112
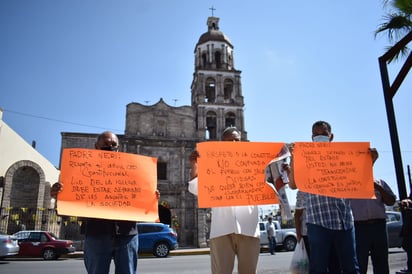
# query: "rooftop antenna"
147,102
175,101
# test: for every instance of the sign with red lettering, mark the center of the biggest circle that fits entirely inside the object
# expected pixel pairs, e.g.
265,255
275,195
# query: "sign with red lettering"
233,173
108,185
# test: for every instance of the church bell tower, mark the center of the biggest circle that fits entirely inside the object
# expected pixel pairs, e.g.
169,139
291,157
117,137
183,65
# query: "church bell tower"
216,87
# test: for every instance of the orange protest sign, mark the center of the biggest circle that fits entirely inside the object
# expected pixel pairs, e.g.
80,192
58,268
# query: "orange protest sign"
108,185
232,173
335,169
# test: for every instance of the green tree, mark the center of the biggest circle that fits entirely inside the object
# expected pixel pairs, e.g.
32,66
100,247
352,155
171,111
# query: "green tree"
397,23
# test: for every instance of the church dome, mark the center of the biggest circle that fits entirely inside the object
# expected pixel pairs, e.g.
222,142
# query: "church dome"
214,35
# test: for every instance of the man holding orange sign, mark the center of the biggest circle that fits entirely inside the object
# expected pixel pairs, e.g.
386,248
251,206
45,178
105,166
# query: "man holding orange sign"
330,227
108,239
234,229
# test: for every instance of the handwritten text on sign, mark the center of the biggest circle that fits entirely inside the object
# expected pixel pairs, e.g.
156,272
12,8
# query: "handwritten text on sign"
108,185
335,169
232,173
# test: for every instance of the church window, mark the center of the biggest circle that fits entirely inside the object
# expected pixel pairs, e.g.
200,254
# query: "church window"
210,90
211,125
218,59
161,171
230,119
228,90
204,60
160,128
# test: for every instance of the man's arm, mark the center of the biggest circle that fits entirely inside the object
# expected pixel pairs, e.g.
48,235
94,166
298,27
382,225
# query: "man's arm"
298,223
193,164
193,187
388,197
292,183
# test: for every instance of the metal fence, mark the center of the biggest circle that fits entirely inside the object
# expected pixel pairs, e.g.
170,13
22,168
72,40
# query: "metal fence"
16,219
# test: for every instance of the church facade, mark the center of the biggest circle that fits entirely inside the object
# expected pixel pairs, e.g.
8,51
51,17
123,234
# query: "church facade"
170,133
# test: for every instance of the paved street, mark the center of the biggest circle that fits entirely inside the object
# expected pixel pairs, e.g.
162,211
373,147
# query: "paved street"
175,264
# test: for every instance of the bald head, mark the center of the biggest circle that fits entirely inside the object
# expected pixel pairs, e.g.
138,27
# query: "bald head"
231,134
107,141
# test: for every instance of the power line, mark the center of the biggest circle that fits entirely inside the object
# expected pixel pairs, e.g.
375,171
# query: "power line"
55,120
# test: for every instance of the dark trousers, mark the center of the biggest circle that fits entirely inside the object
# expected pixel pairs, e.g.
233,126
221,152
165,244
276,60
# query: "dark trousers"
371,238
272,244
325,242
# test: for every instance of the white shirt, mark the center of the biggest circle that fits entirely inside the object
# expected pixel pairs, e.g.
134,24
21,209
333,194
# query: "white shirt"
231,219
270,229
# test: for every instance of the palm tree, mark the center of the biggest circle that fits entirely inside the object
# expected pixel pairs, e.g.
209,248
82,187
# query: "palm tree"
397,25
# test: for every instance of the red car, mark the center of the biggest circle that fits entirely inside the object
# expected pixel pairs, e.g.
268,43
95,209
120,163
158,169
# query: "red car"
34,243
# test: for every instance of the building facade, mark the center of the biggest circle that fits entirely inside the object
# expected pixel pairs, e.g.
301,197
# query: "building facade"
25,179
170,133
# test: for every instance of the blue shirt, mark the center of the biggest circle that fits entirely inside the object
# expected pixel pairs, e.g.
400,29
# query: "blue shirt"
328,212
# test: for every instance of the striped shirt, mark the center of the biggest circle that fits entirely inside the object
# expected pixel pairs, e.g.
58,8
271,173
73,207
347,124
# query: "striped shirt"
328,212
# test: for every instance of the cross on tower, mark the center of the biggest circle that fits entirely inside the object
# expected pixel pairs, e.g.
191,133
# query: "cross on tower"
212,9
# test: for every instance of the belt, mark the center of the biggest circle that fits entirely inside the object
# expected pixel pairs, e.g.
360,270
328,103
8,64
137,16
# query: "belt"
370,222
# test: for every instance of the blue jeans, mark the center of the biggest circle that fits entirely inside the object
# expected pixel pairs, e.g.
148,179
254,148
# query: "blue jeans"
372,238
100,250
323,242
272,244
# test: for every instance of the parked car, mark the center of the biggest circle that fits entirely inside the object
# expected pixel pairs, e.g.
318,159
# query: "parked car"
35,243
394,227
8,245
285,237
156,238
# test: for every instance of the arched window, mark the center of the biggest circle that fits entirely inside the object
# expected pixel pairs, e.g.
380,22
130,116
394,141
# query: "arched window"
211,125
228,90
230,119
26,180
210,90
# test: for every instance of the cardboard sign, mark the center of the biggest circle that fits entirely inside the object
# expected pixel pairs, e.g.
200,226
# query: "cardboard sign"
233,173
108,185
335,169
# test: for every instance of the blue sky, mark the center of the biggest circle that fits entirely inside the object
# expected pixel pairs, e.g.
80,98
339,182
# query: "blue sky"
73,66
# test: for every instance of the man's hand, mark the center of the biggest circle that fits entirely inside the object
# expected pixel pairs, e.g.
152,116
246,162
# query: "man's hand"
193,156
55,189
406,203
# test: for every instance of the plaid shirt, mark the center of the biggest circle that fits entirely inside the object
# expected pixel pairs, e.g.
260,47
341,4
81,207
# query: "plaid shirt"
328,212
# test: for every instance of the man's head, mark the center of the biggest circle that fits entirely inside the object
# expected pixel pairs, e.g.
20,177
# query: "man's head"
322,132
231,134
107,141
270,219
